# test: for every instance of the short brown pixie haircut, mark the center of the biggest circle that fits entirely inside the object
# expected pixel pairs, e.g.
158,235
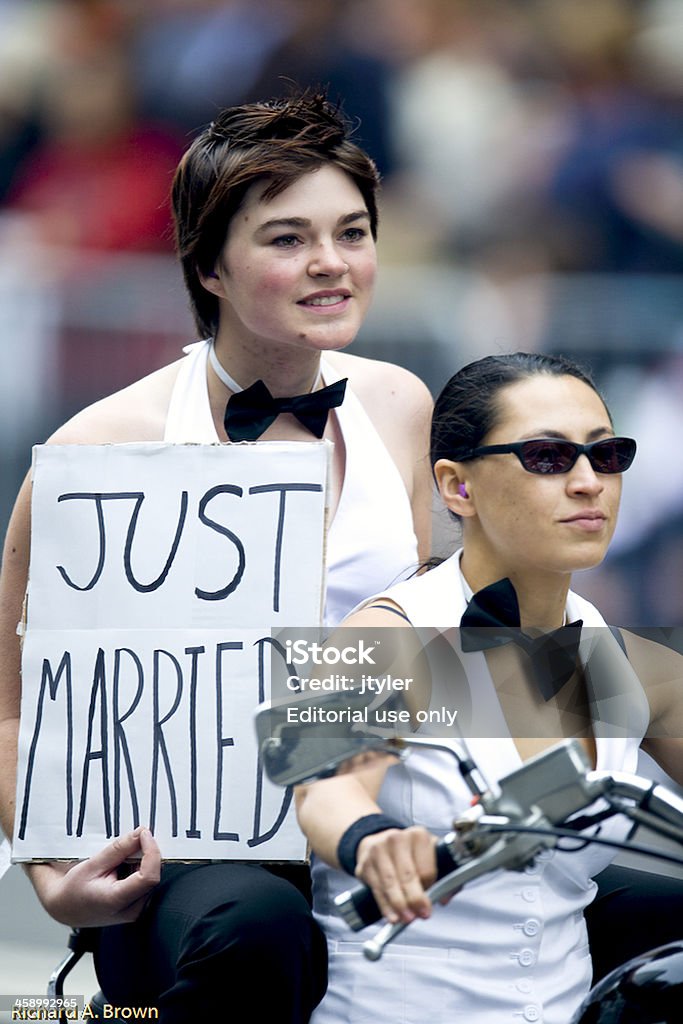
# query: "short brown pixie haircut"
275,142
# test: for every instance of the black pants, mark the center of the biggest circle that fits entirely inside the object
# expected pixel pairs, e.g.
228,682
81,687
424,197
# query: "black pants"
633,912
218,942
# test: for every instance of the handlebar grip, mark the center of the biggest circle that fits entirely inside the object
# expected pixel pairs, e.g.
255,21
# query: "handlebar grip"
358,906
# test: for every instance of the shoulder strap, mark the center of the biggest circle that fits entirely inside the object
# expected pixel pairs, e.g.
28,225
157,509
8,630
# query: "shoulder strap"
390,608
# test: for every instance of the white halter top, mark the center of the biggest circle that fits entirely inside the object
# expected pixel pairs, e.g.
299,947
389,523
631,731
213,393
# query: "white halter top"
371,541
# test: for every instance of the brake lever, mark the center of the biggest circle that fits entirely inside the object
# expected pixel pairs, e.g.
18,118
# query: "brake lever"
512,852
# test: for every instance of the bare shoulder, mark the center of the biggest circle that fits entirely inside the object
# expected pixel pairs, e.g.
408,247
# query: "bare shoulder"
394,398
136,413
372,377
655,663
378,613
399,406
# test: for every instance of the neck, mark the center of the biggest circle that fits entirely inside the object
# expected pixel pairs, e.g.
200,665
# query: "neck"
285,370
542,596
542,600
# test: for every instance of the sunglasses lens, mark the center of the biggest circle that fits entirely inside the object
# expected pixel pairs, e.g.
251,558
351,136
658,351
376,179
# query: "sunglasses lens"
548,456
614,455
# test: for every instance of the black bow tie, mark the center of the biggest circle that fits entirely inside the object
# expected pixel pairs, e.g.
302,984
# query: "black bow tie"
249,413
496,609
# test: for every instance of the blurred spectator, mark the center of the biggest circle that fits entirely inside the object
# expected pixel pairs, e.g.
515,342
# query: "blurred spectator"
25,50
473,137
458,117
192,57
29,311
653,496
659,43
619,180
332,43
98,179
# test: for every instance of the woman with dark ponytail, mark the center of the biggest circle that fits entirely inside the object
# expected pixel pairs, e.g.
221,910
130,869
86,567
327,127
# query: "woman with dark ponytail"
524,453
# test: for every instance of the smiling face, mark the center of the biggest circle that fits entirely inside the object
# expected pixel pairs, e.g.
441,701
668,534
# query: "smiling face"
296,271
516,521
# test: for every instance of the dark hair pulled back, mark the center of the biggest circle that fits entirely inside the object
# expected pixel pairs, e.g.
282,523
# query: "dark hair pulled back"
469,406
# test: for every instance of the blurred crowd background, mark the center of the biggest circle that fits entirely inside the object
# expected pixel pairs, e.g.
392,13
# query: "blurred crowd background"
532,157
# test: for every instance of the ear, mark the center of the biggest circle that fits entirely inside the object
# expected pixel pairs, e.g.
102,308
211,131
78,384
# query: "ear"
453,487
212,282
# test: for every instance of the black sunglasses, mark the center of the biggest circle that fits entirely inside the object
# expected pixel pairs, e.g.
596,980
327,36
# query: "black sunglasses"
546,455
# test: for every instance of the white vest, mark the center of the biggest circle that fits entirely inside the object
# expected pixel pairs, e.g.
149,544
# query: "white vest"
511,947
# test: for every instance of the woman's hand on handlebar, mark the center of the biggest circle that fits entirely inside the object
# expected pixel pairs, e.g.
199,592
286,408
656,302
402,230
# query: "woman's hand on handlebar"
398,864
90,893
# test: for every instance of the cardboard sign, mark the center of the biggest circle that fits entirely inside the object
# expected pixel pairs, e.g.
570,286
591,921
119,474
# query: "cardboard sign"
157,574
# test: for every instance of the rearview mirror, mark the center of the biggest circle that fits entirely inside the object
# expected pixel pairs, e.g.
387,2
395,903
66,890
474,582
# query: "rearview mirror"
312,735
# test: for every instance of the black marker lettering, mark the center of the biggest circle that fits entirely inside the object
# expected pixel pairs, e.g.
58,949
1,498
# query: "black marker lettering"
262,837
98,498
160,742
193,832
98,686
222,741
51,680
219,595
146,588
120,740
282,488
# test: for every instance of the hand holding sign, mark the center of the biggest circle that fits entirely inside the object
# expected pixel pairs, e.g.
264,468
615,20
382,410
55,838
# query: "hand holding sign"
90,893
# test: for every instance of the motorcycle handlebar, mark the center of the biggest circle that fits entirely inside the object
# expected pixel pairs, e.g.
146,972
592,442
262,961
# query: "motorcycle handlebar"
653,805
640,799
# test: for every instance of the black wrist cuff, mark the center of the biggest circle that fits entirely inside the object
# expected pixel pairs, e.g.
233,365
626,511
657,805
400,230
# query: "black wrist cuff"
367,826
